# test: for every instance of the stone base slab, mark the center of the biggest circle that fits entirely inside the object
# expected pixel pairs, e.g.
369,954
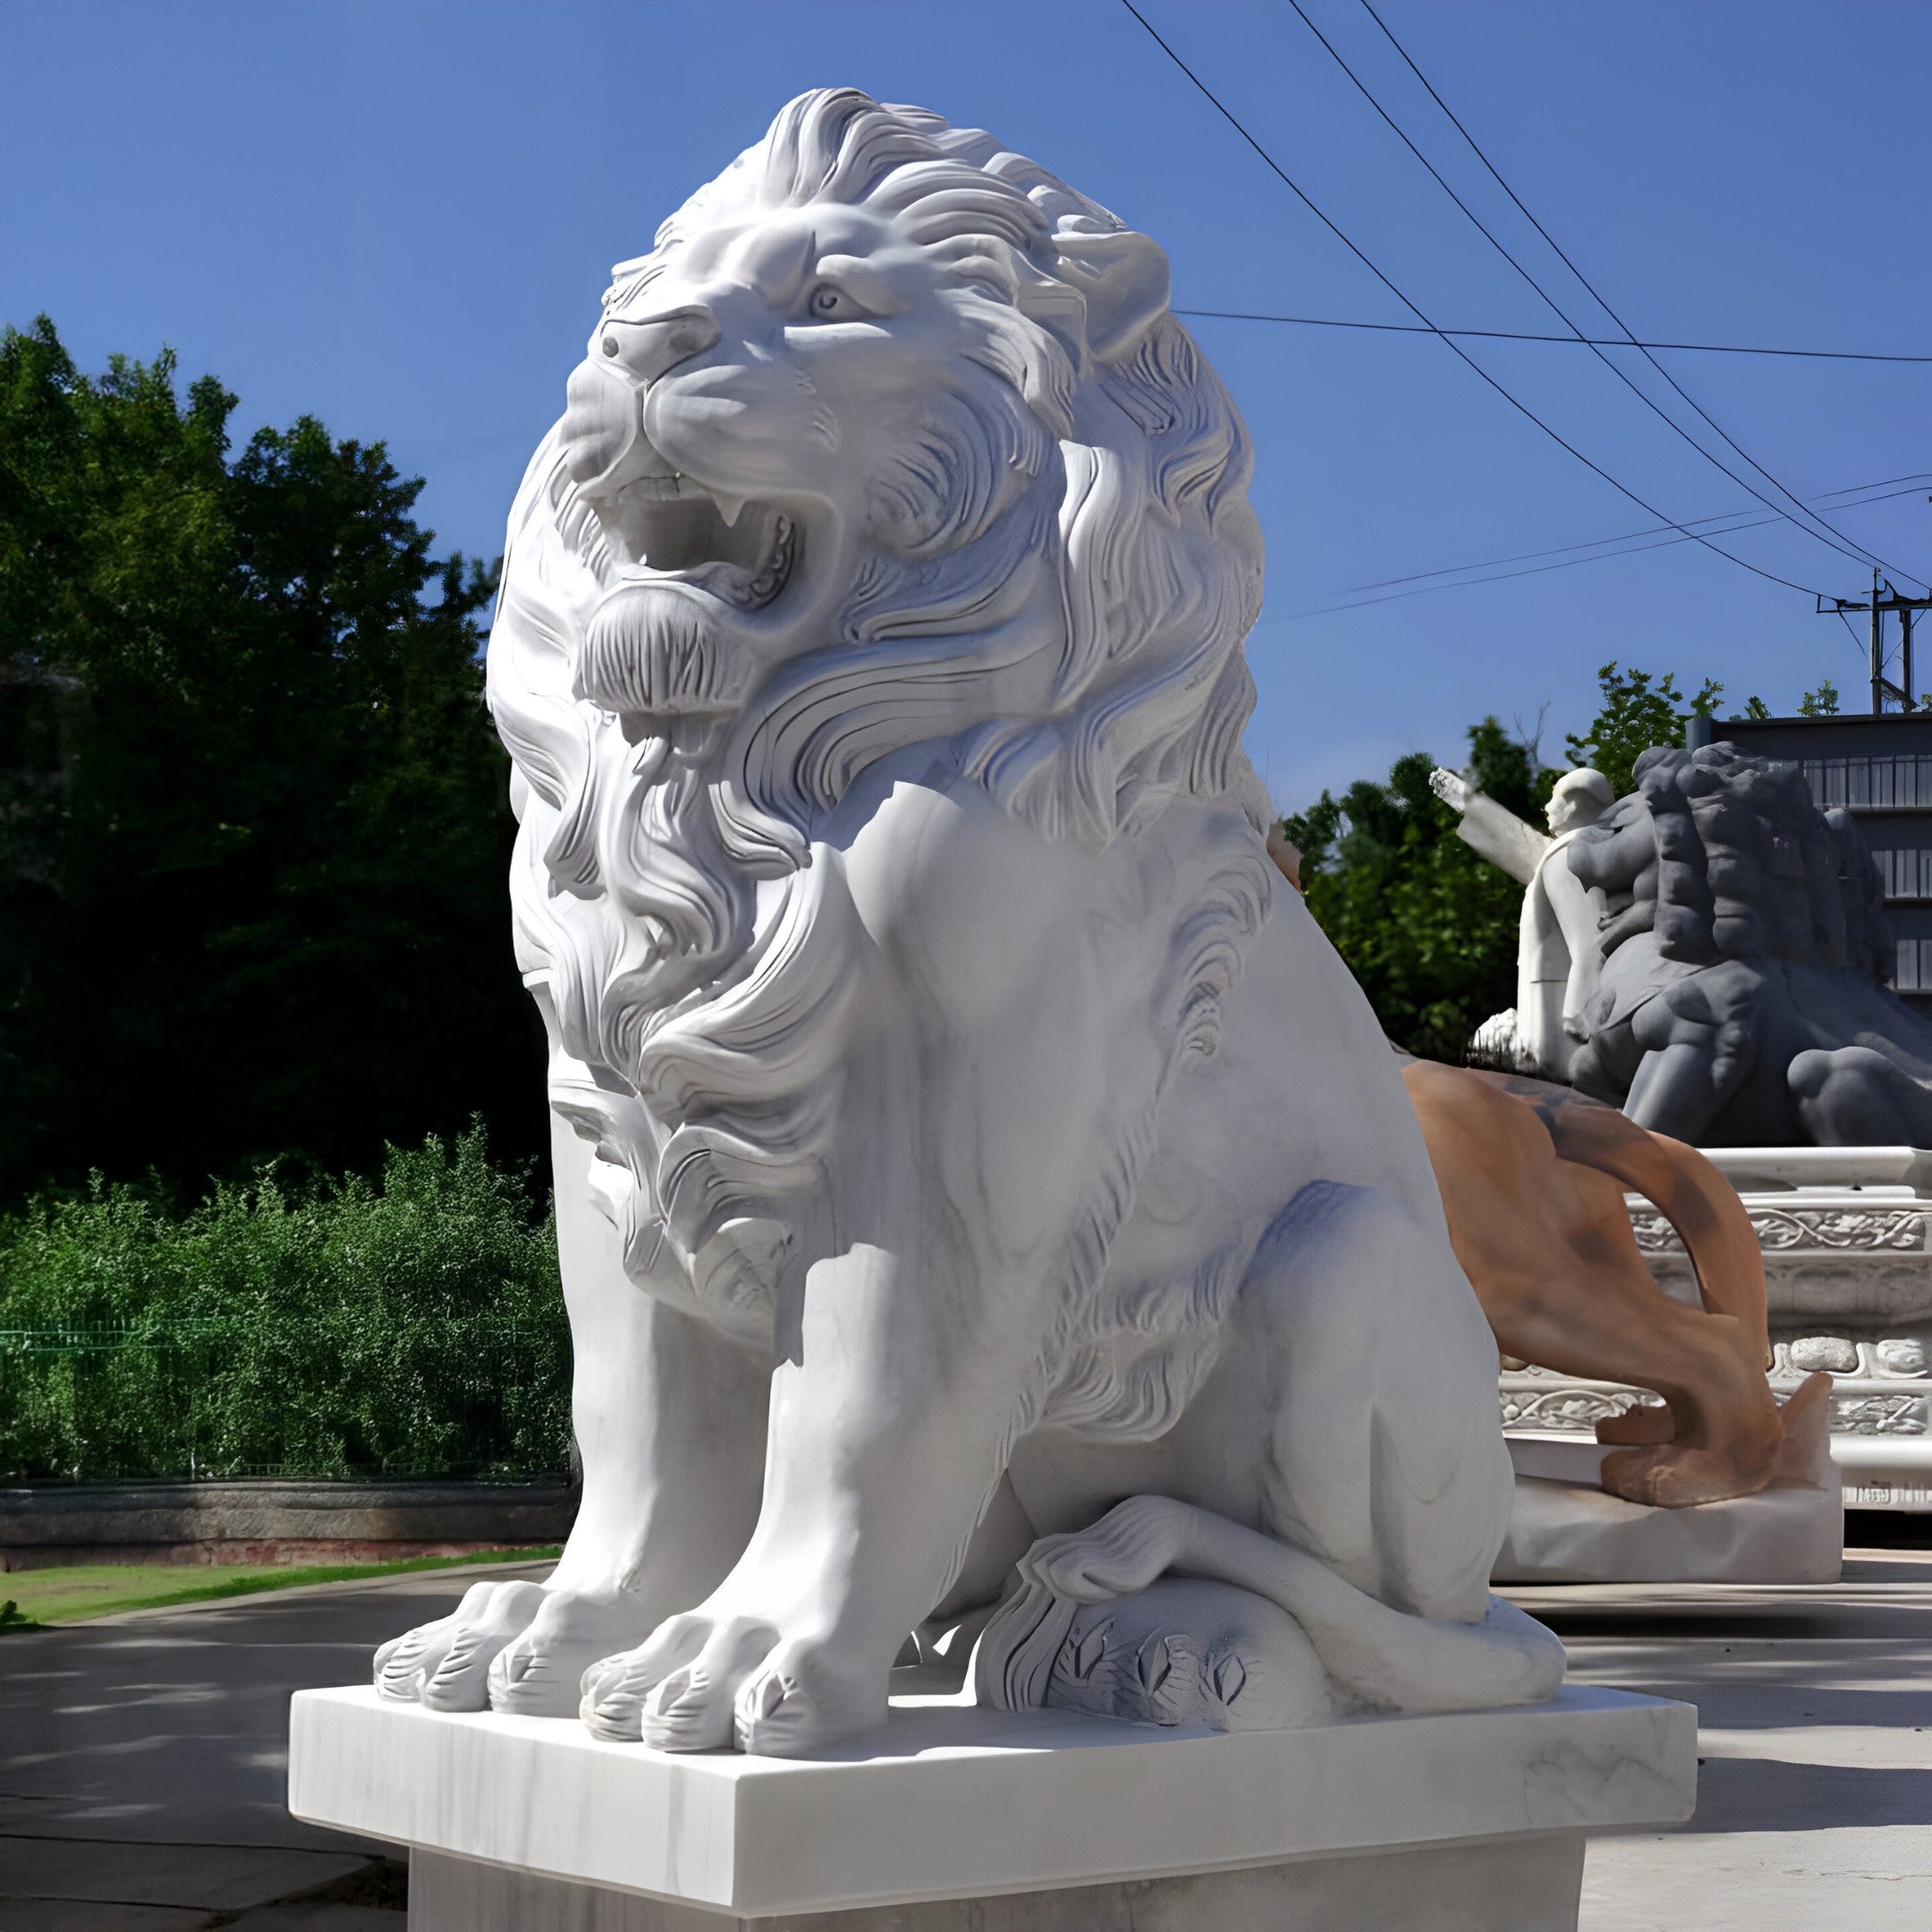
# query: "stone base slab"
1528,1884
1564,1528
951,1803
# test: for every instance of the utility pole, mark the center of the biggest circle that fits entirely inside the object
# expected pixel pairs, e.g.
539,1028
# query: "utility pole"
1883,598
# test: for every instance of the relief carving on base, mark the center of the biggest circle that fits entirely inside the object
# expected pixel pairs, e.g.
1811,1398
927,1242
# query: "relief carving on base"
1786,1229
1878,1415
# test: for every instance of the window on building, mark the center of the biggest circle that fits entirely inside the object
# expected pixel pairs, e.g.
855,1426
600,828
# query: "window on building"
1913,973
1906,870
1901,783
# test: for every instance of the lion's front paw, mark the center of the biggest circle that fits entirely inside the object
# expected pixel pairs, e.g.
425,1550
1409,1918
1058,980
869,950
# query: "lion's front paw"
706,1681
1672,1478
446,1663
539,1672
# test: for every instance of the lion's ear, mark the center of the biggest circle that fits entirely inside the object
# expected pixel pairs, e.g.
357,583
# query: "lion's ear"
1122,278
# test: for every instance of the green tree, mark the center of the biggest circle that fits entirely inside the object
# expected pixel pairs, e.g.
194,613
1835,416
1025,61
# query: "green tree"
1823,702
254,829
1638,711
1426,927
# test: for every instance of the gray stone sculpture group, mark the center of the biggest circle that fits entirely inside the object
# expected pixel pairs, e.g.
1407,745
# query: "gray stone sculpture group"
1710,953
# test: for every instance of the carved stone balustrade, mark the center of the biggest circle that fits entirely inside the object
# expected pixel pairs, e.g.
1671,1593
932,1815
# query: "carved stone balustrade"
1847,1240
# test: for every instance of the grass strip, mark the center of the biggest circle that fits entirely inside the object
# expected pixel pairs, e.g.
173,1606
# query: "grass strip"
39,1599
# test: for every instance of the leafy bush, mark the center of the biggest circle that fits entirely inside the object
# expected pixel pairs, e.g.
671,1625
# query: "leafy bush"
322,1329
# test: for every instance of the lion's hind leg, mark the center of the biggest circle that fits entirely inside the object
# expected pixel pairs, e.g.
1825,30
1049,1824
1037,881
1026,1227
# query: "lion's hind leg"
1357,1388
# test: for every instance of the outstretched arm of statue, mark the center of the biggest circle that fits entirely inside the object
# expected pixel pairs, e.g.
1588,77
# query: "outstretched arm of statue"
1495,831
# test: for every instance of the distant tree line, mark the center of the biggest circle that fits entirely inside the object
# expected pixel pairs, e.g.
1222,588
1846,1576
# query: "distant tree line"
253,822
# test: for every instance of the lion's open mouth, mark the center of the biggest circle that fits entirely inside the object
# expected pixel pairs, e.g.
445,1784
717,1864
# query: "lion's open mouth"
670,527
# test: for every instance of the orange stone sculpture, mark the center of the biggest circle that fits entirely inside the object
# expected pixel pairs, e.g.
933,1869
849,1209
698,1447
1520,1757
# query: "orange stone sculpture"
1533,1177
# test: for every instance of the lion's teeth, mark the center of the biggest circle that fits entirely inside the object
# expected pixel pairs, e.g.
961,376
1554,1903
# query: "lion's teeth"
729,508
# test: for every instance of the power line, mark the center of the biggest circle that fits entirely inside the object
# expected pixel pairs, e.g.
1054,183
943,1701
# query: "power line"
1570,342
1916,476
1805,519
1454,348
1456,577
1842,541
1722,522
1536,569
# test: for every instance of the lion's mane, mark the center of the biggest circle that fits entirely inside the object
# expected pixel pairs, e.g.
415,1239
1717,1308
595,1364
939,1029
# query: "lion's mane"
694,1015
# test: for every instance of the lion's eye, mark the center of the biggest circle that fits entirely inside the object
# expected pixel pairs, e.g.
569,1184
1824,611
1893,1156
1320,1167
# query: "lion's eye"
827,300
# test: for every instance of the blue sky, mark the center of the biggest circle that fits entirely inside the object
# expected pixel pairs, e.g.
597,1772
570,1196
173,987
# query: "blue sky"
397,215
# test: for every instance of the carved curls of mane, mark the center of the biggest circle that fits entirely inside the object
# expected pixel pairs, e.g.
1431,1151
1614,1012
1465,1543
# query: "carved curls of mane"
1119,465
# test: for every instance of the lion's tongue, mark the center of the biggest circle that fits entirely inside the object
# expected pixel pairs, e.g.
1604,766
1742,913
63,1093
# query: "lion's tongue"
730,582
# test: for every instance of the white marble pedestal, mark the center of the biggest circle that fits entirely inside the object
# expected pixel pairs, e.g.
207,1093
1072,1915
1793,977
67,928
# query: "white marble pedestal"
1563,1528
954,1819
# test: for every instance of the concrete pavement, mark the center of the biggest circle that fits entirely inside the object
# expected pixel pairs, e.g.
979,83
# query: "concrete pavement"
1815,1798
141,1760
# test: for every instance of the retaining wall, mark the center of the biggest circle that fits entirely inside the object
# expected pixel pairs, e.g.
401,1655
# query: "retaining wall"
45,1524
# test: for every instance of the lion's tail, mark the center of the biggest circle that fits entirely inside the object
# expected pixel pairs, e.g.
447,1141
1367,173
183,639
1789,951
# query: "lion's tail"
1381,1657
1389,1659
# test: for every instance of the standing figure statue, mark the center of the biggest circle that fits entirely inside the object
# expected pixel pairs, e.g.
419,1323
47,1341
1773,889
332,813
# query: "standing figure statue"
1556,955
1728,959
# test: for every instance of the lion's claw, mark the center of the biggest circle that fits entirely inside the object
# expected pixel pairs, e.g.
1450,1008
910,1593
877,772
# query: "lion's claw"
441,1664
539,1673
515,1645
703,1683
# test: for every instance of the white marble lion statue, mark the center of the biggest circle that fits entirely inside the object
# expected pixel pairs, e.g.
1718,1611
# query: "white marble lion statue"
955,1142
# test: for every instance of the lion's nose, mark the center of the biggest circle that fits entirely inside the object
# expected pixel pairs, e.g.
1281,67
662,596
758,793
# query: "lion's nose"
649,350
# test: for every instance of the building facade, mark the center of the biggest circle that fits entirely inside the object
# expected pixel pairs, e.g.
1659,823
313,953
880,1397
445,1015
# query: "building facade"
1880,770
